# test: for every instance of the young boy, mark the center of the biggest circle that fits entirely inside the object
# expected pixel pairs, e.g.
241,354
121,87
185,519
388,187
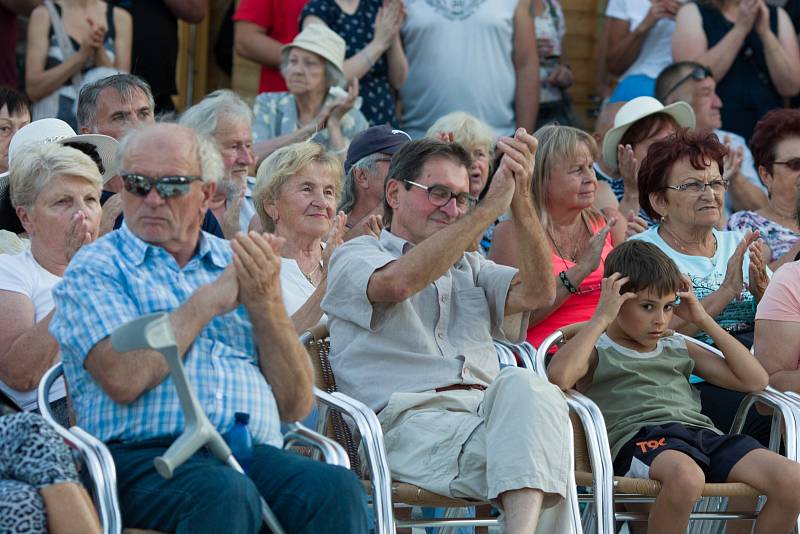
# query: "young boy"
627,361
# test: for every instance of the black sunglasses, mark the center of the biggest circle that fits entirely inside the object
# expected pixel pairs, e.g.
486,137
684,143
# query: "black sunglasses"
793,164
698,74
166,186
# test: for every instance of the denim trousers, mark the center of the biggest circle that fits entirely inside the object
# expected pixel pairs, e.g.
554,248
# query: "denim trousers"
206,496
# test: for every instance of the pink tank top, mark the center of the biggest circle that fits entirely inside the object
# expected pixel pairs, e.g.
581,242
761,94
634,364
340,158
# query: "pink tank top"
575,308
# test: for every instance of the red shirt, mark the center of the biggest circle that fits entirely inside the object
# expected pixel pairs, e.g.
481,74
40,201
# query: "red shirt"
280,18
575,308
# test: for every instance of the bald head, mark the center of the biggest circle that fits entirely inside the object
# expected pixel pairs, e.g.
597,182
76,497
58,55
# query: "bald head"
167,140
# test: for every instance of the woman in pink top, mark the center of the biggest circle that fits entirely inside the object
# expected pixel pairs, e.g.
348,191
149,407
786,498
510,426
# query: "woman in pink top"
564,186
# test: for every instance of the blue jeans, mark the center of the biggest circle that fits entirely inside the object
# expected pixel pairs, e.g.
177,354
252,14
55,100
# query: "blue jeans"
205,496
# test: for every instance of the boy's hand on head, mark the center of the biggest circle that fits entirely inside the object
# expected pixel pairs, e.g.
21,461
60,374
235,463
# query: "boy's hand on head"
690,309
611,300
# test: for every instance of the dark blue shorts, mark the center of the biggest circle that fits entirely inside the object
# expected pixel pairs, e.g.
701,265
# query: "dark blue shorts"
715,454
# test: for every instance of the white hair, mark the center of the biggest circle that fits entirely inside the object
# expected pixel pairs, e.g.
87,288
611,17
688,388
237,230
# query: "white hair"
212,169
204,116
36,166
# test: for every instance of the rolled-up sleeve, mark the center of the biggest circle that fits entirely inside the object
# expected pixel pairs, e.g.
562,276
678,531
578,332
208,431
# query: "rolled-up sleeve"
496,281
351,267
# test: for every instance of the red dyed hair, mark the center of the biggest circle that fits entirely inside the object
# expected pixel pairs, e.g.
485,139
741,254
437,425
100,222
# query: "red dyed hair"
701,148
774,127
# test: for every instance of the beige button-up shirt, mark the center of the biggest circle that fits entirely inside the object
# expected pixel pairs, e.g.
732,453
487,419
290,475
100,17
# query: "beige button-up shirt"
439,337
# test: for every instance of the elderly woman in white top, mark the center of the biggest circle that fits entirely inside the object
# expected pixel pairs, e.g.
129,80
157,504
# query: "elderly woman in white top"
296,193
55,190
316,107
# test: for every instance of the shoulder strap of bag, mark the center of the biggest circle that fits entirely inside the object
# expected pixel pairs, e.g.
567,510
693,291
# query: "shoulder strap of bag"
67,50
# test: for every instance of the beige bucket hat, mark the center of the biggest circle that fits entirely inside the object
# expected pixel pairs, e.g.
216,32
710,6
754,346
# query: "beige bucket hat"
637,109
323,41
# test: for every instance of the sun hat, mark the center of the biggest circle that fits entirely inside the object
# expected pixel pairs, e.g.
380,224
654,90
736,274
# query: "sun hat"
46,131
323,41
380,138
635,110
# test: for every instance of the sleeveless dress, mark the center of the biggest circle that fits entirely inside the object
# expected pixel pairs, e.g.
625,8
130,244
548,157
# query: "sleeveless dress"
747,91
575,308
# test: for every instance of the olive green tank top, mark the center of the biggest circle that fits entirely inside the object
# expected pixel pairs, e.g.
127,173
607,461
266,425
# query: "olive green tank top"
636,389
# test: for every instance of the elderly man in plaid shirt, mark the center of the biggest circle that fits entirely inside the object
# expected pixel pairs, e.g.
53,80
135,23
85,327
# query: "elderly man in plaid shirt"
237,342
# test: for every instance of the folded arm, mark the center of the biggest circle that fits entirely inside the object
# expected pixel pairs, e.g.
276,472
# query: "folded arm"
27,350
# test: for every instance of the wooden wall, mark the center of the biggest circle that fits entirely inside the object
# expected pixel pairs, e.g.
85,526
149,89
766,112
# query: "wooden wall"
582,45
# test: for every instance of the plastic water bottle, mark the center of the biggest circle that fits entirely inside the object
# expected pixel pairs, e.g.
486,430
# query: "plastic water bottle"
240,441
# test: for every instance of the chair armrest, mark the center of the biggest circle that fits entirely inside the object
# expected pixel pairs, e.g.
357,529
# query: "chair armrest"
785,409
372,444
332,452
599,455
95,455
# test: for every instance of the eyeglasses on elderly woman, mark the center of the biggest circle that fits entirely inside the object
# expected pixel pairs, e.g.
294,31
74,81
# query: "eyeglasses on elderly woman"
696,187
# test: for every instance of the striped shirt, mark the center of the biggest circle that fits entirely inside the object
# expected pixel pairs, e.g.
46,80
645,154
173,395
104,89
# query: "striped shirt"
118,278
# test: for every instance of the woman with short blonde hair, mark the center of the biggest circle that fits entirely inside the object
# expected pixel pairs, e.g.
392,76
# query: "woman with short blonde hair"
563,189
296,193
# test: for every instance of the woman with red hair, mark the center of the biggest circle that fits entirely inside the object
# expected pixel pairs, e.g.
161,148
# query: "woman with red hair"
775,145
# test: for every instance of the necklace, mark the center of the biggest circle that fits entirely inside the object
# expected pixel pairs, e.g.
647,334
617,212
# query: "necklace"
310,273
681,243
782,215
576,244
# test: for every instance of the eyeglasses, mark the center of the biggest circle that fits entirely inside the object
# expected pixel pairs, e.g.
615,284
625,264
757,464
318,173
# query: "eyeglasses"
439,195
166,186
698,74
793,164
696,187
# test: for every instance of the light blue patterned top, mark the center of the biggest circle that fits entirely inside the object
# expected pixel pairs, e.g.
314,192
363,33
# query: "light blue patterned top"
118,278
275,114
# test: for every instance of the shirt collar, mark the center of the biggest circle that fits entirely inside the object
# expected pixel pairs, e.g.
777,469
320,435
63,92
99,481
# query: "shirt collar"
210,248
394,243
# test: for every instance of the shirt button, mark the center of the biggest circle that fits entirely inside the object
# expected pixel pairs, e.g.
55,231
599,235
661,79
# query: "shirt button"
467,371
444,298
440,335
219,395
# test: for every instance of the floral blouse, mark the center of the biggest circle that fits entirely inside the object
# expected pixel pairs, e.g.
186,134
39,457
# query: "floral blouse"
778,238
275,114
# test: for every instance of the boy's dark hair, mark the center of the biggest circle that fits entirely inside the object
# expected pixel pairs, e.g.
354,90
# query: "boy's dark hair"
646,266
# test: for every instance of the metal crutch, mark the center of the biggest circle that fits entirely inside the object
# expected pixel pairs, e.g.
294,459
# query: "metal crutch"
155,332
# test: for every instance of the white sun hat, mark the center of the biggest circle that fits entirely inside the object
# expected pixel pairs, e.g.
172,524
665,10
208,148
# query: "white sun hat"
636,110
46,131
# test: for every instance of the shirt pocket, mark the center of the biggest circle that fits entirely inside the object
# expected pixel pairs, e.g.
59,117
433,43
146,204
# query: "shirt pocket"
470,318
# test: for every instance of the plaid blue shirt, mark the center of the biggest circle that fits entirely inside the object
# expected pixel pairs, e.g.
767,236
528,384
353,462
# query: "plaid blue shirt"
118,278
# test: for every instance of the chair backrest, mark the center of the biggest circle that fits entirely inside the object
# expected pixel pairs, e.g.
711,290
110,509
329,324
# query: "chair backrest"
317,344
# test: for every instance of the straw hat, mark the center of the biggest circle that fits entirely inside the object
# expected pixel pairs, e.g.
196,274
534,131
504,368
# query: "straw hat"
323,41
57,131
635,110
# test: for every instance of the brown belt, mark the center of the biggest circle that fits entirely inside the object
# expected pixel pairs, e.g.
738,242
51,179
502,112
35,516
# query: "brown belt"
461,386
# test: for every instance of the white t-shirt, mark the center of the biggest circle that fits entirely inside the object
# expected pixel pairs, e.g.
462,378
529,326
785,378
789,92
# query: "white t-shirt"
22,274
295,287
656,51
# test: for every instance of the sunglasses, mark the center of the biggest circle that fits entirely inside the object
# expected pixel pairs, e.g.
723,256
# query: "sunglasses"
698,74
793,164
166,186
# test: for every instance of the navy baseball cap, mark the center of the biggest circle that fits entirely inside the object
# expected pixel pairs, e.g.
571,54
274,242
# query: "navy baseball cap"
375,139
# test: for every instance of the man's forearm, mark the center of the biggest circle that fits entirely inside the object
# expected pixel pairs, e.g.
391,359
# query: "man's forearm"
284,362
537,283
431,258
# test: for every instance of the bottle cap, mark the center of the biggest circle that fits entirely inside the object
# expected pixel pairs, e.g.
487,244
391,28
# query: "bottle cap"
241,417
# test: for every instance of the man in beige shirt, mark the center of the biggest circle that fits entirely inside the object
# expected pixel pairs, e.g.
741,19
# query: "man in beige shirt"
412,317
